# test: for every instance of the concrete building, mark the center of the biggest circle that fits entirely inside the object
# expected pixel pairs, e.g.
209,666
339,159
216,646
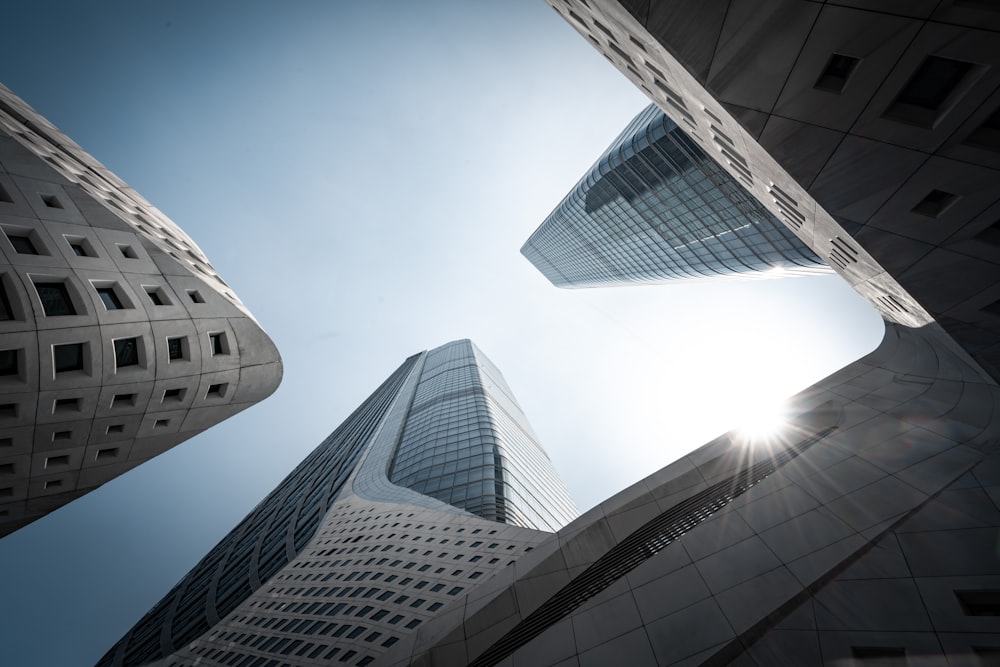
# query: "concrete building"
655,208
118,340
433,485
863,533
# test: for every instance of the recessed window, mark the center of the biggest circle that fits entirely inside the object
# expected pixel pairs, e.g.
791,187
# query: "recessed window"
195,296
836,73
53,483
929,92
79,250
979,603
55,299
61,405
987,135
123,400
110,298
127,251
104,454
51,201
5,196
218,343
883,656
176,394
23,244
8,362
156,296
161,423
68,357
62,435
6,313
6,468
115,428
175,348
935,203
8,410
54,461
126,352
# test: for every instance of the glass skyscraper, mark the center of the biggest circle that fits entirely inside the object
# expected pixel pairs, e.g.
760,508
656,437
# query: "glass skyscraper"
433,483
655,208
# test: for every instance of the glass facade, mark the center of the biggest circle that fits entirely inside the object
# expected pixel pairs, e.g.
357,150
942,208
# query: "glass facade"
467,443
462,439
655,208
264,542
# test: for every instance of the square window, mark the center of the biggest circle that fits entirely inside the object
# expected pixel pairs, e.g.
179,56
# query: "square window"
836,73
216,390
51,201
22,244
55,299
66,405
935,203
156,296
172,395
62,435
110,298
126,352
161,423
123,400
53,483
126,251
54,461
68,357
218,343
175,348
930,91
979,602
8,362
115,428
5,310
8,410
195,296
5,196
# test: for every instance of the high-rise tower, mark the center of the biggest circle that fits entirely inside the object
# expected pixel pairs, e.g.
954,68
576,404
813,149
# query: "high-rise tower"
435,483
118,339
656,208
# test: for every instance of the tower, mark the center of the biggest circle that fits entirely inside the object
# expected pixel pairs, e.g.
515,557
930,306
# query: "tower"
434,484
118,339
656,208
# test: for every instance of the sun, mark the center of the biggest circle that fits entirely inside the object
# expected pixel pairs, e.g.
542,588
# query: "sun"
762,422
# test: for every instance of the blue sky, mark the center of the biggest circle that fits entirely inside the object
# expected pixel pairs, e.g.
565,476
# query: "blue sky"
363,175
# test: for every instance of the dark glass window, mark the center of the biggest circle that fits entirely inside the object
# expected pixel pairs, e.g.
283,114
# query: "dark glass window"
218,343
78,250
931,85
935,203
8,362
110,298
5,312
175,348
126,352
23,245
68,357
55,299
836,73
979,603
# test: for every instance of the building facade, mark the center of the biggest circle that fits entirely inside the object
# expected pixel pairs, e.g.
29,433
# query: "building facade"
118,339
430,487
656,208
864,532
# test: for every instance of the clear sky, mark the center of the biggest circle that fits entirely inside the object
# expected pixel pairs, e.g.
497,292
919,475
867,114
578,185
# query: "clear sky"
363,175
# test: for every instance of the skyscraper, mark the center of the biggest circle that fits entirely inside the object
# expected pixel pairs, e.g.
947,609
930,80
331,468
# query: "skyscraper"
863,532
118,339
434,484
656,208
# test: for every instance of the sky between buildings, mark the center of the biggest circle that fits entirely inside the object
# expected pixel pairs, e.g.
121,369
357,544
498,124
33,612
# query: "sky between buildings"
363,175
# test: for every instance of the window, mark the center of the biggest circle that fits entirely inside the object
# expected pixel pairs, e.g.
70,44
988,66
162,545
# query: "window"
195,296
65,405
216,390
54,461
126,352
979,603
836,73
109,453
115,428
123,400
6,313
883,656
22,244
161,423
68,357
80,246
8,362
110,298
51,201
175,348
218,343
55,299
156,296
926,96
126,251
5,196
173,395
935,203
